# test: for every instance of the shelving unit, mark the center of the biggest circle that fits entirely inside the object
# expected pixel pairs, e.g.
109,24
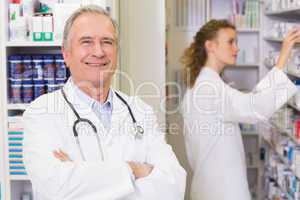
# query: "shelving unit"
282,159
17,106
13,186
19,177
33,44
271,44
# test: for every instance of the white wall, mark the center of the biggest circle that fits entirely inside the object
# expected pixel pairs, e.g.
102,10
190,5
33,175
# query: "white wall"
142,25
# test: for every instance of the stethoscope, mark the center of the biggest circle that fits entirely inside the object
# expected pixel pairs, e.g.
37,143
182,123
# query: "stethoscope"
139,131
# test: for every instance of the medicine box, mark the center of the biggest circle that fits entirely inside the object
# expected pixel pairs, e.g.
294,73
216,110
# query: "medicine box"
37,28
47,28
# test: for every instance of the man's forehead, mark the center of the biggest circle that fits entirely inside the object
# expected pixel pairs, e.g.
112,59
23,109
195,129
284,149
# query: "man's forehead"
105,26
86,18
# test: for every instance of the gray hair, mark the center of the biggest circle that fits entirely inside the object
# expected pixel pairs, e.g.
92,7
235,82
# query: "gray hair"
83,10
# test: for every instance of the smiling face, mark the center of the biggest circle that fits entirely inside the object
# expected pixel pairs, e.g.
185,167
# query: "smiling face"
91,53
225,48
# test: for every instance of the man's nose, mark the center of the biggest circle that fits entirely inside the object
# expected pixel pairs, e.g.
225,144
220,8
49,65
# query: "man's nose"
98,50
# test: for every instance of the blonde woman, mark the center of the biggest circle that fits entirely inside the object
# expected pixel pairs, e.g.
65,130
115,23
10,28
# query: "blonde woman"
212,111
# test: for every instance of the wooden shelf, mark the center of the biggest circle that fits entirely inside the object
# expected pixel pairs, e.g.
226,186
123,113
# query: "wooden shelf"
33,44
17,106
286,12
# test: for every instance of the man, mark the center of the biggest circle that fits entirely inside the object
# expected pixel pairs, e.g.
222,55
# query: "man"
89,142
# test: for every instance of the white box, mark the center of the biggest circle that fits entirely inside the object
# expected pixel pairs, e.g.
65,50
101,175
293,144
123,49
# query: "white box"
47,24
37,24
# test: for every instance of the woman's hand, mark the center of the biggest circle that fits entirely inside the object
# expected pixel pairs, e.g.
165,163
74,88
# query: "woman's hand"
289,41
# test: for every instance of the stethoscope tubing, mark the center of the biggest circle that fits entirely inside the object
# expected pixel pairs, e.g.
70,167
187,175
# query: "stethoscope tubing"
139,130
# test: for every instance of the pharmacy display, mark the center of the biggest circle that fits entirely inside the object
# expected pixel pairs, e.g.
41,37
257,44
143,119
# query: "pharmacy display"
245,14
42,20
33,75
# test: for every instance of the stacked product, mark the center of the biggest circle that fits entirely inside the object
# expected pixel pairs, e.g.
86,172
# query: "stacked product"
282,163
277,5
25,23
245,13
15,146
280,181
33,75
288,122
280,29
38,20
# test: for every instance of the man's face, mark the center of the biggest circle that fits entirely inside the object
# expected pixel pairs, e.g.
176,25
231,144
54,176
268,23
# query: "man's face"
91,53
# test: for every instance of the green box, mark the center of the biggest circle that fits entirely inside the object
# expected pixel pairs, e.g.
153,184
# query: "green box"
47,36
37,36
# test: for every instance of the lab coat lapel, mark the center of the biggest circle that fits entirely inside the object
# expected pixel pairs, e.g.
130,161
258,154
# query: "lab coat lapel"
88,140
120,121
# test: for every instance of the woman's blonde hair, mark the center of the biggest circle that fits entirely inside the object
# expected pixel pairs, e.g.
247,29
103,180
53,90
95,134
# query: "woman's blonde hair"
195,56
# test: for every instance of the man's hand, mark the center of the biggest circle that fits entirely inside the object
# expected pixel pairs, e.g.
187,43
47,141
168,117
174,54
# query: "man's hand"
289,41
140,170
62,156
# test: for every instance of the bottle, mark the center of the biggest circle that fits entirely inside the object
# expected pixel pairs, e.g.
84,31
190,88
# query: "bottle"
27,7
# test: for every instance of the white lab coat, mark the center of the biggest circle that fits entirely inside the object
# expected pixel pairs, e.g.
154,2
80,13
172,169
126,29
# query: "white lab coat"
211,112
48,127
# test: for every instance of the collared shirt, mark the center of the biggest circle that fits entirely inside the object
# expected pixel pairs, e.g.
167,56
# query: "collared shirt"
102,110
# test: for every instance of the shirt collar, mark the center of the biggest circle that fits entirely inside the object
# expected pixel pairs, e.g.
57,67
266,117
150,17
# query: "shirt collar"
92,102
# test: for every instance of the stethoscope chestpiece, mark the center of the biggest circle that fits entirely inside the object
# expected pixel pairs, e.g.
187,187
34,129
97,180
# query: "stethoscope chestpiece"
139,132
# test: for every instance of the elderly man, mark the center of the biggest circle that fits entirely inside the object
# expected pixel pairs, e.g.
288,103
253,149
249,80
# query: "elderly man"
90,142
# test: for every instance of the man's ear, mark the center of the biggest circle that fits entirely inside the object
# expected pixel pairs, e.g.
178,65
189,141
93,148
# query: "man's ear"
65,52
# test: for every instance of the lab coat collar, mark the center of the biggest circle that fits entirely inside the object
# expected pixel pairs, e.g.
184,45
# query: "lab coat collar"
209,71
120,115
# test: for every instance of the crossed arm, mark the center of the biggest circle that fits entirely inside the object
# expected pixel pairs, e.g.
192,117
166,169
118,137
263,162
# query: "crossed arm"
139,170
